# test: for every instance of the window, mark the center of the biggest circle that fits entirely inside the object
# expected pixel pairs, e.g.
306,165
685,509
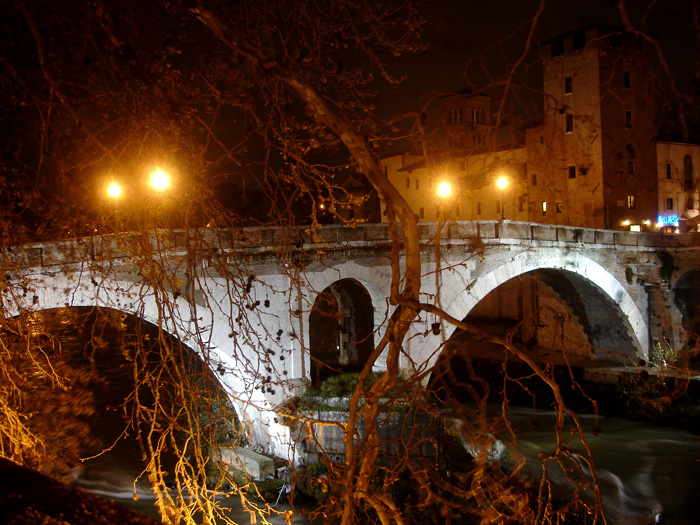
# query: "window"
557,206
569,123
669,203
544,207
557,48
478,208
521,203
688,172
631,202
408,183
668,170
568,85
456,116
627,80
417,184
534,179
579,40
630,167
421,212
628,119
572,172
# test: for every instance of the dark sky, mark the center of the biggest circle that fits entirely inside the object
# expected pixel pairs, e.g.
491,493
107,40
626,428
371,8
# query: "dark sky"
459,30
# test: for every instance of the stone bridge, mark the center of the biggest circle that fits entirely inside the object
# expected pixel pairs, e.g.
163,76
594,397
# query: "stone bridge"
254,303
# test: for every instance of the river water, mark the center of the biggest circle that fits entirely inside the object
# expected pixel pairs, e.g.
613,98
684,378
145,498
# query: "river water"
640,465
643,468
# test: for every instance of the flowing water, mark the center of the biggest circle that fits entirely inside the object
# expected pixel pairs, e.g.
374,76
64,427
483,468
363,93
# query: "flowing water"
645,470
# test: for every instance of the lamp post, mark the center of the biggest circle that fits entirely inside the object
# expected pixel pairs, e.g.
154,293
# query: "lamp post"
502,184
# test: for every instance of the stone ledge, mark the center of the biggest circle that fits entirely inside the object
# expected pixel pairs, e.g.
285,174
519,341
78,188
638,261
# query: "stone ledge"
253,464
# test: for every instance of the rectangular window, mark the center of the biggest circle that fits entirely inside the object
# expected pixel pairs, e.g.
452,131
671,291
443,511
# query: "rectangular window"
557,48
408,183
569,123
478,208
627,80
544,207
669,203
417,184
631,203
534,179
521,203
557,206
630,167
668,170
421,212
628,119
572,172
568,85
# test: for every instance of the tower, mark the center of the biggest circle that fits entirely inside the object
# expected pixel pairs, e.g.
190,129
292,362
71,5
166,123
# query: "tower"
592,159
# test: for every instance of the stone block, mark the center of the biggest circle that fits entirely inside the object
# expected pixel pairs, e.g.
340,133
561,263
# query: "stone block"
604,237
541,232
626,238
253,464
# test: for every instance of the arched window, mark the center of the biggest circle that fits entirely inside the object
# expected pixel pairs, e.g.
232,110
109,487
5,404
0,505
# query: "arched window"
688,172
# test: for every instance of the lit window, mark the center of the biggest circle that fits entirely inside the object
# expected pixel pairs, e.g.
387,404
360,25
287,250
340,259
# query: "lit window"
631,202
544,207
568,85
669,203
572,172
569,123
635,227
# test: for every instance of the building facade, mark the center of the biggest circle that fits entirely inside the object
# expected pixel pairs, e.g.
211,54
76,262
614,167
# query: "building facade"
593,160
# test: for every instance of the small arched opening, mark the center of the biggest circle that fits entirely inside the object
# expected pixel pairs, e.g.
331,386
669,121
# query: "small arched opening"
341,328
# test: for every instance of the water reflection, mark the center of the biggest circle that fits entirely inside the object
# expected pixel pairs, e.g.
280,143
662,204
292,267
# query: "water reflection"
652,464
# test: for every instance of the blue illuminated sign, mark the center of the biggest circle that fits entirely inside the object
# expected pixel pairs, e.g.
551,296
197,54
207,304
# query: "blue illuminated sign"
671,220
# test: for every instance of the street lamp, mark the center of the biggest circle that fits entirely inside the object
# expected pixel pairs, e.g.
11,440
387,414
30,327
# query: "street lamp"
114,190
444,189
159,180
502,184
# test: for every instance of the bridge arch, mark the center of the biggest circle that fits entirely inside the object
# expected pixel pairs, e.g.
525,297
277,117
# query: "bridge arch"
461,290
197,328
373,281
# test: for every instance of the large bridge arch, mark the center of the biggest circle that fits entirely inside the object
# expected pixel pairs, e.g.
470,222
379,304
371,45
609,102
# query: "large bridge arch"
462,290
197,328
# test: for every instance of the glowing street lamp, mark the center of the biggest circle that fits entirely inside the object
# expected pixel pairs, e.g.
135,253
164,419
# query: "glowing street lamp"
159,180
502,184
114,190
444,190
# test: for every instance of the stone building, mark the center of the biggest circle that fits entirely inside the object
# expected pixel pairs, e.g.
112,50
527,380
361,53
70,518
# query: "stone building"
593,159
